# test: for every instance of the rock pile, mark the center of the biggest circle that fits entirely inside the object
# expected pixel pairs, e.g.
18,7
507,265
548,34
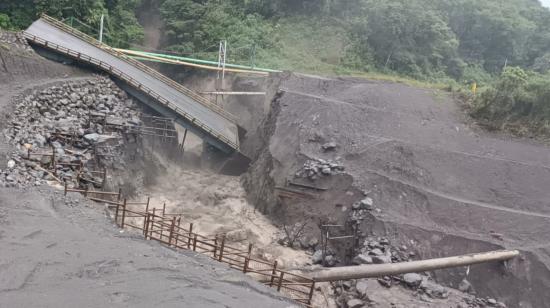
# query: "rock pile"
316,167
378,250
79,121
360,293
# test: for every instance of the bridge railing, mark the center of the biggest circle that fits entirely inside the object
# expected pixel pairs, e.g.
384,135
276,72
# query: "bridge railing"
132,82
200,99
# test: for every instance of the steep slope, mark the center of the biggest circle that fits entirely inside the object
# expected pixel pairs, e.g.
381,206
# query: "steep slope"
437,184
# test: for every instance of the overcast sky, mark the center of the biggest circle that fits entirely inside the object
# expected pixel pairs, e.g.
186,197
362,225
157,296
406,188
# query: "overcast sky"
546,3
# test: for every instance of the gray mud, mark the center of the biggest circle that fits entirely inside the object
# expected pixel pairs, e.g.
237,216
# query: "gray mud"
439,184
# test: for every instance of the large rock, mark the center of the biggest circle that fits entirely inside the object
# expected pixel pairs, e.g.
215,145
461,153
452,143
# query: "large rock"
464,285
412,280
317,257
362,259
381,259
362,286
355,303
11,164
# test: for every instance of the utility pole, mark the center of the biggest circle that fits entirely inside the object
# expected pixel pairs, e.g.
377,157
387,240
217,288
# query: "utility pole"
222,54
101,28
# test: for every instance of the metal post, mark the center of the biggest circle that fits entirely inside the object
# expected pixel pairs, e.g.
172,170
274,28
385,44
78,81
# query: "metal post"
311,293
273,272
171,235
145,224
183,140
190,233
221,248
104,177
152,223
195,242
215,247
116,213
280,281
245,266
123,214
178,232
101,28
53,162
65,188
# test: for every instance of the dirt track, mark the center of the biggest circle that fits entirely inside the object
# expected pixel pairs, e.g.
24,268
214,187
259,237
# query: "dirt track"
56,255
436,179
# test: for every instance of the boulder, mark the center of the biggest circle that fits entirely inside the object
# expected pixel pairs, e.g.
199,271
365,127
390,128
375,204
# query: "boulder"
329,146
362,287
381,259
317,257
355,303
412,280
362,259
11,164
465,286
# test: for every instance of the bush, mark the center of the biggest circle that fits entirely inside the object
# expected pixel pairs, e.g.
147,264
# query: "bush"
5,22
516,98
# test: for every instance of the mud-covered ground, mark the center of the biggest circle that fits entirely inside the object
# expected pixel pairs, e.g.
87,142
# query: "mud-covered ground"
438,184
59,251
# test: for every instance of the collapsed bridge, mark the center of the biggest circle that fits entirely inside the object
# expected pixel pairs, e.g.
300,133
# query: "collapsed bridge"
192,111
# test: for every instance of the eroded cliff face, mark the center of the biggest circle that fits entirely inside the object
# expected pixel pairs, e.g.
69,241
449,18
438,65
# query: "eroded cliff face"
404,163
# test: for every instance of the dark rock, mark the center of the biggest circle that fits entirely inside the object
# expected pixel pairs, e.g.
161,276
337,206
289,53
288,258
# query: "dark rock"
381,259
362,287
317,257
412,280
376,252
330,146
464,285
355,303
362,259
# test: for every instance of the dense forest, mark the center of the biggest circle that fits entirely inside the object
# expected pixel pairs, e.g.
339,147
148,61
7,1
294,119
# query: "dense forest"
503,45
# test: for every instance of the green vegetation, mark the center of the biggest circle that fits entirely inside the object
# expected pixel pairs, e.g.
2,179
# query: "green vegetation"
450,42
121,26
519,101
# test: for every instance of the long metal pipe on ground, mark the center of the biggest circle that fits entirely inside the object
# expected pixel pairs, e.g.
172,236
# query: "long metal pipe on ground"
380,270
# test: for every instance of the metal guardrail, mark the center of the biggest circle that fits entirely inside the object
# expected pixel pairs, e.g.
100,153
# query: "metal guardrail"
143,67
132,82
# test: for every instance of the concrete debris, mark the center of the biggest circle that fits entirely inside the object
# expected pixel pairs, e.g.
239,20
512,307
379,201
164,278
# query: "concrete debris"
70,120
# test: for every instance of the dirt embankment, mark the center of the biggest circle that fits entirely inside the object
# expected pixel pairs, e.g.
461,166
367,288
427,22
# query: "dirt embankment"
438,184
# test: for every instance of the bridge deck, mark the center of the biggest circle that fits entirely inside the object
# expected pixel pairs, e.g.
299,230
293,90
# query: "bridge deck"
195,111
